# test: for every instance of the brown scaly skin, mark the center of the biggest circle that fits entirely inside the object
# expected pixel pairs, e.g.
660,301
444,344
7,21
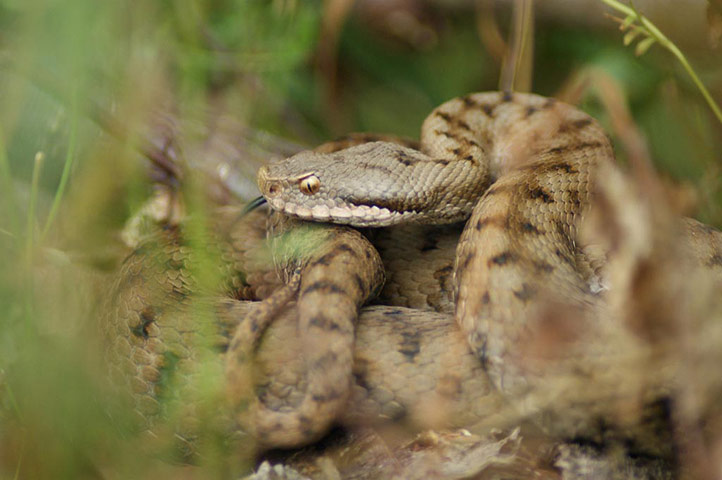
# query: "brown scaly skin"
520,239
339,273
520,265
508,270
398,372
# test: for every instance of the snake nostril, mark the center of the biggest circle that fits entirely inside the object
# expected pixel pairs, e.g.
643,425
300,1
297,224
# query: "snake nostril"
147,317
274,189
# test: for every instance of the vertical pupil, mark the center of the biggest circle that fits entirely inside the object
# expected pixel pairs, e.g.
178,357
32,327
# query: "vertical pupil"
309,185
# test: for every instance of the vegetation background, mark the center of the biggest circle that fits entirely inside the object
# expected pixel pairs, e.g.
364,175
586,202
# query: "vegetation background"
89,88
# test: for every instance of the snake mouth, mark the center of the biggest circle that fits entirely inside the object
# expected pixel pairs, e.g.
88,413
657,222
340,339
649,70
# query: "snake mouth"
338,212
356,215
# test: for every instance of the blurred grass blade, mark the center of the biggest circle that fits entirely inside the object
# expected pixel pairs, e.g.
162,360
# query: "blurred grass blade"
30,225
8,188
67,166
29,238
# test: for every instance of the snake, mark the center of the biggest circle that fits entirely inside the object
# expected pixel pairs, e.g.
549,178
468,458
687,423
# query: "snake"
153,335
540,155
514,173
338,277
523,172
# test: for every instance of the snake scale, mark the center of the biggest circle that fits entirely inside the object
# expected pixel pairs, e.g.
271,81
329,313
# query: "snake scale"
520,169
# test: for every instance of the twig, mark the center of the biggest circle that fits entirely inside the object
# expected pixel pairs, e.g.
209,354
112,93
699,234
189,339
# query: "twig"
489,32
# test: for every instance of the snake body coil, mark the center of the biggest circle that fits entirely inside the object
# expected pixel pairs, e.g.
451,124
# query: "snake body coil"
522,171
521,238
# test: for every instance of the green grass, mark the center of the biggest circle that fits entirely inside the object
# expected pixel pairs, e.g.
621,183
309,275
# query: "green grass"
637,25
68,186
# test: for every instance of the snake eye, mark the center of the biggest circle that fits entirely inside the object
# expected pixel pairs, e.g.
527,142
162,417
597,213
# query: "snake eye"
309,185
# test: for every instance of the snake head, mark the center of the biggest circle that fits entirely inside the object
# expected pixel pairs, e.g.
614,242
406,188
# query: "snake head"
362,185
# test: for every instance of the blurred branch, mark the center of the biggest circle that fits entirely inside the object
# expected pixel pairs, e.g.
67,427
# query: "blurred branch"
335,13
489,32
715,5
638,24
516,70
714,22
612,97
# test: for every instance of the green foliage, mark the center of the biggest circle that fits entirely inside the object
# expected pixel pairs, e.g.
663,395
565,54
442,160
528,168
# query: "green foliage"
638,26
62,61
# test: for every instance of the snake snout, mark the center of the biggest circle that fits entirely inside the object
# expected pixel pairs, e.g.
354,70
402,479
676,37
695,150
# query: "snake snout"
269,188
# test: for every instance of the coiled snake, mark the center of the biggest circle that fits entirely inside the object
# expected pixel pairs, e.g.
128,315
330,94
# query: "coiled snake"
522,169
